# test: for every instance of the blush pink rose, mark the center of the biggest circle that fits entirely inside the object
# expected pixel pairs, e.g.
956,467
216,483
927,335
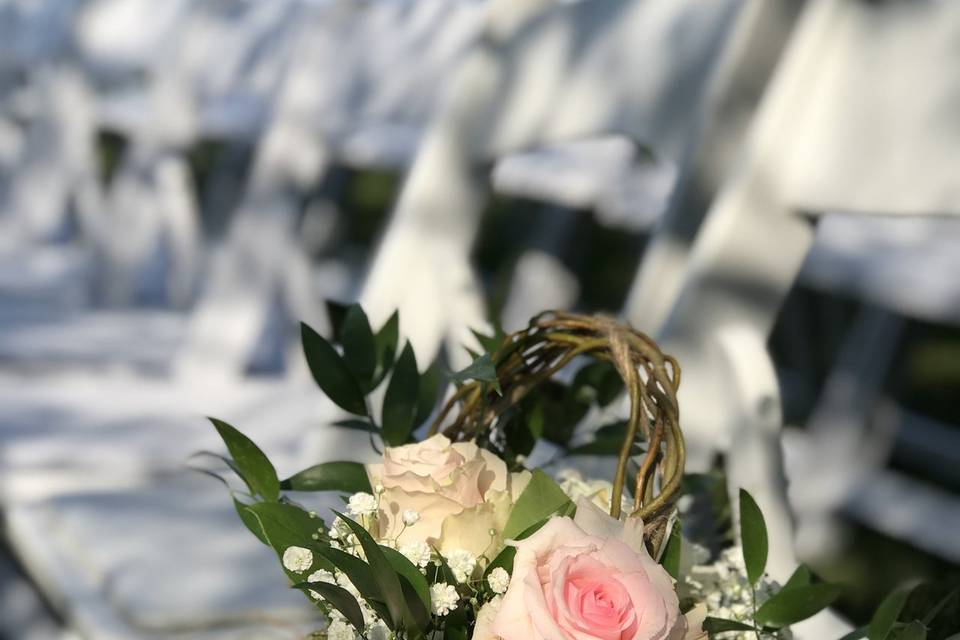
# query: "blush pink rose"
588,578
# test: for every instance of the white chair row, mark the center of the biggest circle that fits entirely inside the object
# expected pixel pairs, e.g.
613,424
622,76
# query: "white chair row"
110,468
541,73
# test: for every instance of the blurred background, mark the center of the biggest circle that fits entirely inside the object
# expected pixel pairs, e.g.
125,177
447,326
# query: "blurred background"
770,188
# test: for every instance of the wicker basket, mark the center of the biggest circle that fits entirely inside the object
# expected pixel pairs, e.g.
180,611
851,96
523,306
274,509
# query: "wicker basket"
553,340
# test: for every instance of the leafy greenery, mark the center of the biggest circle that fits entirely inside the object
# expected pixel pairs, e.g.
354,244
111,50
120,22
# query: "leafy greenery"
482,369
753,534
720,625
249,462
389,582
541,498
339,598
385,342
789,606
401,399
349,477
359,347
607,441
331,373
888,612
671,553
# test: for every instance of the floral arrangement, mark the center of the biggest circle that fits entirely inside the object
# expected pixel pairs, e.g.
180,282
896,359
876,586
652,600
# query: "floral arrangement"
451,537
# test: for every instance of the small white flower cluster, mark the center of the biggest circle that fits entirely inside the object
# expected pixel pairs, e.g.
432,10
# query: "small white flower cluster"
362,504
462,563
301,560
418,553
444,596
297,559
499,580
724,588
599,492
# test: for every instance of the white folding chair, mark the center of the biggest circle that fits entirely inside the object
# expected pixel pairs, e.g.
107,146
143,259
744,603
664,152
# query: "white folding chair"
848,124
543,73
336,105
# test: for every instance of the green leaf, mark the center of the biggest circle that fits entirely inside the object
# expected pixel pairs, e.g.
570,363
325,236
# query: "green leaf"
535,420
482,369
455,624
386,342
720,625
361,575
800,578
504,559
400,401
541,498
407,570
856,634
607,441
597,381
285,525
916,630
671,554
357,424
252,465
339,598
519,439
359,348
562,411
454,631
348,477
337,313
930,615
225,460
386,577
331,373
251,521
419,618
798,603
753,534
429,391
492,342
889,610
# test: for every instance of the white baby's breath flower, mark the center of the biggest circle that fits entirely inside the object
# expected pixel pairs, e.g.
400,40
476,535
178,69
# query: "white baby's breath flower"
724,588
599,492
443,598
321,575
462,563
297,559
338,529
499,580
340,630
417,552
377,631
362,504
410,517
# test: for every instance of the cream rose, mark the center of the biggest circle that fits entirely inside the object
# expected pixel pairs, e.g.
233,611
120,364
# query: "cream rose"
459,491
588,578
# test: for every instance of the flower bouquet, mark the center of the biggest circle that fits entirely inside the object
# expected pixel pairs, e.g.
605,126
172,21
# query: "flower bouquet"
450,536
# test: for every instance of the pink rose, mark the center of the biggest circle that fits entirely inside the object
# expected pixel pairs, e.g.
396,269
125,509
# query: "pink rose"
589,578
459,491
